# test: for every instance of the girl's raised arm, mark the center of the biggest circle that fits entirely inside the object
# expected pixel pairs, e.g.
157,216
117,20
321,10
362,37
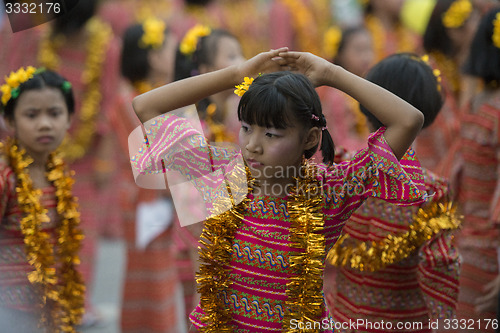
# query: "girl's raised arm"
402,120
193,89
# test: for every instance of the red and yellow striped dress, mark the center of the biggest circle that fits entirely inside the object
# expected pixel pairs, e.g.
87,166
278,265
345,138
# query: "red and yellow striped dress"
421,288
18,297
478,194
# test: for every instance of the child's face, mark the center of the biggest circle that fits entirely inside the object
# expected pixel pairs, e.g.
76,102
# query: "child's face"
357,55
40,120
270,152
228,53
162,61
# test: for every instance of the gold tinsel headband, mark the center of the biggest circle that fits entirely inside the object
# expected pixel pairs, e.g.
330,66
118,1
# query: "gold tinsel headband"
154,33
457,14
190,41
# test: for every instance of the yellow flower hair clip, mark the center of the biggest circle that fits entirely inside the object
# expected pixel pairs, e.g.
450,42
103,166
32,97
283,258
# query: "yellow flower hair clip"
242,88
13,81
331,41
154,33
190,40
457,14
435,71
496,31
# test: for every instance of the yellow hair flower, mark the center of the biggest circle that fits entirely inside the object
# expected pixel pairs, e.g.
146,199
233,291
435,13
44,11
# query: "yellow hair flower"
496,31
190,40
242,88
5,89
14,80
457,14
154,33
331,41
435,71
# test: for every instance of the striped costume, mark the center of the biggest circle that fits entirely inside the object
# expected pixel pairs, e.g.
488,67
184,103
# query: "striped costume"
18,297
478,194
421,288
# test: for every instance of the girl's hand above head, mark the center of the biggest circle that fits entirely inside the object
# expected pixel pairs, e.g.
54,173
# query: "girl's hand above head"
317,69
264,62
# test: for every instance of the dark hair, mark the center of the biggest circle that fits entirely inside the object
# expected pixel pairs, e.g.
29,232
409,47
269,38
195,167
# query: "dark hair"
435,37
134,62
411,79
276,99
44,79
205,54
75,18
484,57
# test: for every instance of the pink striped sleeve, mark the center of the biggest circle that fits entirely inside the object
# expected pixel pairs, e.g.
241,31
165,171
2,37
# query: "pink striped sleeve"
375,172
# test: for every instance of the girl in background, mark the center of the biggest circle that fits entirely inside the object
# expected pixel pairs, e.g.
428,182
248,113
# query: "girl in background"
203,50
151,290
478,181
447,41
83,49
40,288
382,18
352,49
399,264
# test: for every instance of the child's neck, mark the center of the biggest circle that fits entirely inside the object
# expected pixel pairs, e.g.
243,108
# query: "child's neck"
38,168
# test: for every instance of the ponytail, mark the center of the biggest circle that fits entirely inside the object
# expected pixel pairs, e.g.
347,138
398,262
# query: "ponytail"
327,147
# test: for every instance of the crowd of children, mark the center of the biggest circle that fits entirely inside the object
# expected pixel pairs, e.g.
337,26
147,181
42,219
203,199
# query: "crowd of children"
347,175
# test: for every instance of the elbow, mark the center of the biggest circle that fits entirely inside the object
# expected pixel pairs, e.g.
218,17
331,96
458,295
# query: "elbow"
415,121
139,109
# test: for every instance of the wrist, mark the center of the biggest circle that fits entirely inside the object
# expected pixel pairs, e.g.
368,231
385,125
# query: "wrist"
331,75
237,74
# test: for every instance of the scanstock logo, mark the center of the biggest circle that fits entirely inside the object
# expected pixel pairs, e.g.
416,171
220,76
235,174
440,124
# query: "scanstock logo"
26,14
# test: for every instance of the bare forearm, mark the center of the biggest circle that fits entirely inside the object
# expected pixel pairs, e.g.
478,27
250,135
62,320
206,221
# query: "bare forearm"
184,92
191,90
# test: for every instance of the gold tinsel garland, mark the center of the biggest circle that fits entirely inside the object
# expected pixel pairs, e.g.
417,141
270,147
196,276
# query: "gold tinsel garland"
215,250
373,256
76,146
60,284
304,291
377,30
